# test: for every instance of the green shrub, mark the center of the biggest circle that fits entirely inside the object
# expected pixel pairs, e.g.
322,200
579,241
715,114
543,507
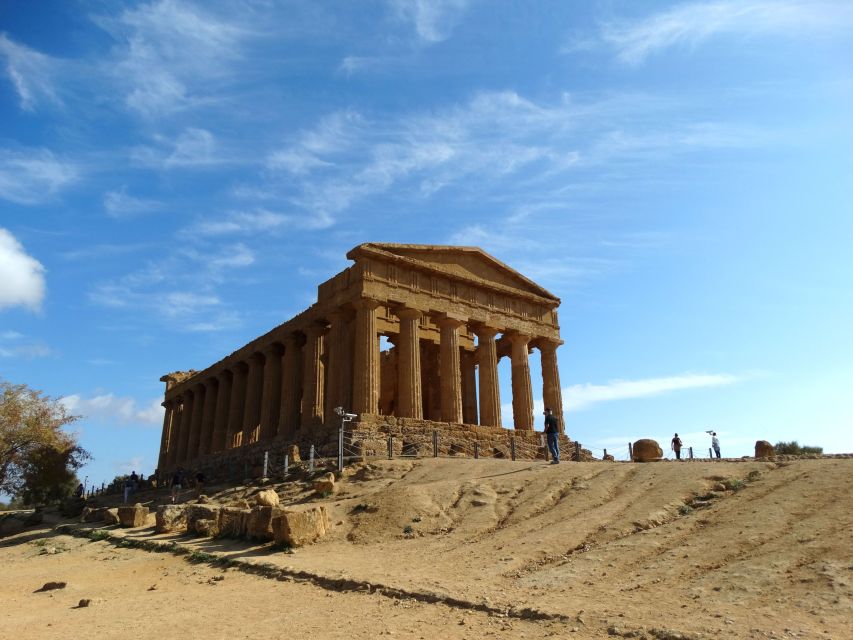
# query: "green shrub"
408,530
685,509
793,448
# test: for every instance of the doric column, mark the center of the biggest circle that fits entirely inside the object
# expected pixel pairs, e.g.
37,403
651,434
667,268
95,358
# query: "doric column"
551,392
184,432
195,423
291,387
165,436
338,365
451,374
223,402
409,394
469,387
234,435
312,376
211,392
254,389
366,358
490,393
175,432
271,397
522,391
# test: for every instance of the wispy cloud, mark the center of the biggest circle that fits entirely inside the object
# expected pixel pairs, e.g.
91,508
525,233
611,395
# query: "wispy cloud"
689,25
433,20
33,176
111,409
582,396
17,345
192,148
119,204
30,72
21,276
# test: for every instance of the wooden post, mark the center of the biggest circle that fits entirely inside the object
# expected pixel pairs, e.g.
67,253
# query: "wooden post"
605,455
512,447
577,451
630,452
690,451
710,455
390,447
435,443
476,449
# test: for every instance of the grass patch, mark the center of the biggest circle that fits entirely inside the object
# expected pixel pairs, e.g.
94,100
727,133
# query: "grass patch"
408,530
734,484
685,509
753,475
199,557
416,519
98,534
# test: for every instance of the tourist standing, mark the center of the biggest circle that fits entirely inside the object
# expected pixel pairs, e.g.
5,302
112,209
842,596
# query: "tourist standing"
676,446
177,482
715,443
552,431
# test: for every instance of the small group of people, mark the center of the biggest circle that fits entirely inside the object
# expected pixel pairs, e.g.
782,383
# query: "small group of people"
676,444
179,479
131,484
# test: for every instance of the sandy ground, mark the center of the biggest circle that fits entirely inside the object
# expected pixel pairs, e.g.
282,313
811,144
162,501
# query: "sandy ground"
475,548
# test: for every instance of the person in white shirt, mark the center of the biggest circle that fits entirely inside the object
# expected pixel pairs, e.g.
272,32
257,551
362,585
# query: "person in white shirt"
715,443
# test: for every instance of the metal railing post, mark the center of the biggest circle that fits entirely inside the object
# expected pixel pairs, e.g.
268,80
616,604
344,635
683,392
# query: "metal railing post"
286,463
311,459
341,447
266,463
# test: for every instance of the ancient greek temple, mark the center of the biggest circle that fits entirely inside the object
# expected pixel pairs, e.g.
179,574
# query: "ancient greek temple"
448,315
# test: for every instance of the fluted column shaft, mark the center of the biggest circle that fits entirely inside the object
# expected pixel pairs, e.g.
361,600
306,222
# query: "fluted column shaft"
366,358
522,391
490,393
175,432
312,382
271,397
223,402
254,388
195,423
551,391
234,435
469,387
165,436
409,393
451,373
339,365
291,387
211,392
184,433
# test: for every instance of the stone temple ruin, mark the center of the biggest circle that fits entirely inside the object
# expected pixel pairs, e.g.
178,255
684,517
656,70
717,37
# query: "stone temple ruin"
429,302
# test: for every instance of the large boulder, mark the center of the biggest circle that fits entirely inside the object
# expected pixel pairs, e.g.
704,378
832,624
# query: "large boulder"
267,498
764,449
134,516
111,516
232,522
195,512
171,517
326,484
297,528
646,450
259,522
93,514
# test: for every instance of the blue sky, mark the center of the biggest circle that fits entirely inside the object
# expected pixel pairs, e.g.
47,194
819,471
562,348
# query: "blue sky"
176,178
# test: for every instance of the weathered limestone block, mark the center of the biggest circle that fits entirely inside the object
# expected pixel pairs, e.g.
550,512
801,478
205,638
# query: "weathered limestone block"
111,516
267,498
647,450
134,516
207,528
297,528
608,458
93,514
764,449
232,522
326,484
293,452
259,522
196,512
170,517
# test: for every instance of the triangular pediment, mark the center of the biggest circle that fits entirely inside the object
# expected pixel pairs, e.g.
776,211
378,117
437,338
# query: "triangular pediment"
466,262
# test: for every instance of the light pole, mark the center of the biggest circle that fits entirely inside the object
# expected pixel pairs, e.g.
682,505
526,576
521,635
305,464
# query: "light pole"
345,417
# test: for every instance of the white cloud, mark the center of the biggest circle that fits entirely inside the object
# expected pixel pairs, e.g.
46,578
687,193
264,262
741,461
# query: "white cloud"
433,20
193,147
691,24
33,176
172,55
118,204
30,72
16,345
241,222
109,408
582,396
21,276
353,64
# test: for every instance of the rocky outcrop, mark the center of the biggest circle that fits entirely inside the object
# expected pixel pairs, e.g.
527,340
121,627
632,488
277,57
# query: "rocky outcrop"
111,516
170,517
764,449
646,450
134,516
297,528
326,484
267,498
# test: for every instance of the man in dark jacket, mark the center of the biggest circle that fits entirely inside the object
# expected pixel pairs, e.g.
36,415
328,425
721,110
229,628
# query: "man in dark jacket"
552,430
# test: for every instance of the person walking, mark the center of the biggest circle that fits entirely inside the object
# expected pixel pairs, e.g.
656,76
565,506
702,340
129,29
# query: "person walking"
715,443
552,431
676,446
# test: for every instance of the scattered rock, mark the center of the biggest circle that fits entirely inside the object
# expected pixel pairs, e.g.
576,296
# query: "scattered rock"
267,498
232,522
134,516
207,528
326,484
171,517
51,586
293,452
647,450
203,499
259,522
93,514
296,528
764,449
111,516
84,602
196,512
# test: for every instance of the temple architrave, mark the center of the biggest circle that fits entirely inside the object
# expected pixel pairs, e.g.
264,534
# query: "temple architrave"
448,315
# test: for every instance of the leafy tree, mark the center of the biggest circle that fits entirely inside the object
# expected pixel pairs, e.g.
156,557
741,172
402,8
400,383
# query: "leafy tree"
793,448
50,474
30,421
